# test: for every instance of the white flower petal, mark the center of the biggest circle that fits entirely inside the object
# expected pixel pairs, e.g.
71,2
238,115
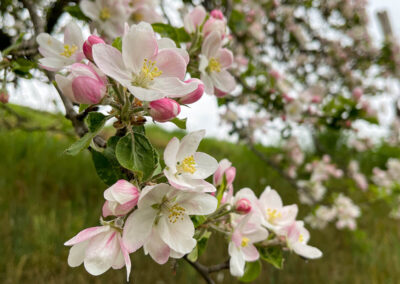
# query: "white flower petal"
197,203
189,144
77,254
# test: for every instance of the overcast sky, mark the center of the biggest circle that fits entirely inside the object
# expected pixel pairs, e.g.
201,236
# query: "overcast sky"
203,114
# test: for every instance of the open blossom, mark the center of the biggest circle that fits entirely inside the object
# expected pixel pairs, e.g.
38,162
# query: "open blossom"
109,17
321,217
121,198
99,249
85,84
186,169
214,60
297,238
216,23
162,224
57,54
142,10
241,247
194,19
347,212
275,214
148,72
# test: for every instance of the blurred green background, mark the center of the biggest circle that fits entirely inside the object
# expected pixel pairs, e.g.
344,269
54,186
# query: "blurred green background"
46,197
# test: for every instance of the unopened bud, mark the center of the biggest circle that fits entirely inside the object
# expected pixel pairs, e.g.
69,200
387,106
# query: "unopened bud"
88,44
195,95
243,206
164,109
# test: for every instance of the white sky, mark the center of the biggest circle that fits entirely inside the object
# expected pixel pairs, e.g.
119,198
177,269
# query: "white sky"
204,113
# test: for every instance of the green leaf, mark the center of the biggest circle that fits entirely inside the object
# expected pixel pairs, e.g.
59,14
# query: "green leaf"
22,66
176,34
107,166
202,243
95,121
251,271
193,255
273,255
181,123
135,152
14,45
81,144
117,43
82,107
76,12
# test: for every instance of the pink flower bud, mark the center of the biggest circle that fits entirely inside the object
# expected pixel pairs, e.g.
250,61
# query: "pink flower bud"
357,93
224,168
85,84
213,24
4,96
121,198
193,96
316,99
217,14
88,44
219,94
275,74
164,109
243,206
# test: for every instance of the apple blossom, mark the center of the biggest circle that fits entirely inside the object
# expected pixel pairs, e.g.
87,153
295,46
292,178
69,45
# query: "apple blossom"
149,73
85,84
88,44
241,247
57,54
121,198
297,237
99,248
166,210
164,109
108,17
347,212
214,60
275,215
321,217
243,206
194,19
142,10
215,24
193,96
246,201
186,169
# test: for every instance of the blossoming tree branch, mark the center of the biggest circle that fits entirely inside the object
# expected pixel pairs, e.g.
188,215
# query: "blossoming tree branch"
136,68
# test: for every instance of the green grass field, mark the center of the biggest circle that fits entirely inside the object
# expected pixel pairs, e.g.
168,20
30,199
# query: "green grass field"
46,197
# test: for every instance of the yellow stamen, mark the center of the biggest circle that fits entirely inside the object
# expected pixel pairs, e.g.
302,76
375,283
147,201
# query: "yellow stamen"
105,14
301,239
147,74
214,65
273,214
245,241
137,17
176,213
188,165
69,50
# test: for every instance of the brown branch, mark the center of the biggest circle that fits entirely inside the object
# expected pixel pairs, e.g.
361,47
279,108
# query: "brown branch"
205,271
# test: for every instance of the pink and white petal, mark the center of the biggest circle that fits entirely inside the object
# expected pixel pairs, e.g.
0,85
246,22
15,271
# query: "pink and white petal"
223,165
51,45
250,253
151,195
87,234
173,87
211,45
288,215
208,83
179,235
123,209
65,85
165,43
87,90
175,254
170,153
223,81
197,203
225,57
205,165
306,251
138,228
189,144
106,209
171,63
77,254
122,191
237,262
119,261
53,63
90,9
158,250
198,15
147,95
270,199
137,45
258,235
101,253
73,35
127,259
109,60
